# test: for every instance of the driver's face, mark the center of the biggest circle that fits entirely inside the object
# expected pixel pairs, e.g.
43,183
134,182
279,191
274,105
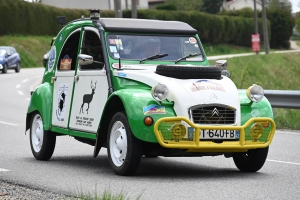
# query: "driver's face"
151,49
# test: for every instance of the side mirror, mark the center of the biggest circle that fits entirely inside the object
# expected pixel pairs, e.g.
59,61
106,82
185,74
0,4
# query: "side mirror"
222,64
8,54
84,59
61,20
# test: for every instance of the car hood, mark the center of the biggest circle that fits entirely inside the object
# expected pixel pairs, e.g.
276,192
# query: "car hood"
186,93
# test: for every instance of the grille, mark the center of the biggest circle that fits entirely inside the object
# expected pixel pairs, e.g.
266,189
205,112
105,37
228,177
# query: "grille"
213,115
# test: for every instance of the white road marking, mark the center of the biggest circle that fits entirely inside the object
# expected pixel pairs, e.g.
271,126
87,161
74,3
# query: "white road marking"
4,170
24,80
8,123
18,86
20,92
279,161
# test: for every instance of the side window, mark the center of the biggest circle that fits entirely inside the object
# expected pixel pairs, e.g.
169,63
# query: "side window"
68,55
91,45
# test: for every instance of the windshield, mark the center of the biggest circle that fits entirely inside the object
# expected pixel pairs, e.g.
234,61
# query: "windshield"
139,47
2,51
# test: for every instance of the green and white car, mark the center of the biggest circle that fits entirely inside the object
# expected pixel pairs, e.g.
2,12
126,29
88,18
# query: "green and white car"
145,88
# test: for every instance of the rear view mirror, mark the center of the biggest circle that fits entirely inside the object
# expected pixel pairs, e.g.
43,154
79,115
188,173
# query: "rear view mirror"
84,59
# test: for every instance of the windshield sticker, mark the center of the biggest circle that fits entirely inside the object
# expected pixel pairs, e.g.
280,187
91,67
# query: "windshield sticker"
187,42
206,85
154,109
61,101
192,40
116,55
112,41
196,45
52,56
113,49
65,63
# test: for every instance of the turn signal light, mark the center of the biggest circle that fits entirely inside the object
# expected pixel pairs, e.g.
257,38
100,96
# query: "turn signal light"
148,121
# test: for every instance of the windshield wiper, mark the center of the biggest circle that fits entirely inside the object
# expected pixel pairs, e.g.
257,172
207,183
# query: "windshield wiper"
154,57
188,56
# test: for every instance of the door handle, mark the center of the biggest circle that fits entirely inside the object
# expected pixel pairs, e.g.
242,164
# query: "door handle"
76,78
54,78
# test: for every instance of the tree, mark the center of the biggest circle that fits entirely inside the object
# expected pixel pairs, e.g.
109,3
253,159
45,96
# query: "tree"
211,6
190,5
280,5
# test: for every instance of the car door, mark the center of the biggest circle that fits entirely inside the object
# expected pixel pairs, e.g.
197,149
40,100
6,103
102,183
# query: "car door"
64,80
91,87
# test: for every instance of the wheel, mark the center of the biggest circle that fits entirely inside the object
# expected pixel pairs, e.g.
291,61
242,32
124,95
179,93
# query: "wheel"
252,161
4,70
18,67
42,142
124,149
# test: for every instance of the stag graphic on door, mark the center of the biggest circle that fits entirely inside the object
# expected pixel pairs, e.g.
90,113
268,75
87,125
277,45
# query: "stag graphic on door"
87,98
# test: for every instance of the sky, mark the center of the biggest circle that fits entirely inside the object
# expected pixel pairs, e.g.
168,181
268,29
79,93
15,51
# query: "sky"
295,5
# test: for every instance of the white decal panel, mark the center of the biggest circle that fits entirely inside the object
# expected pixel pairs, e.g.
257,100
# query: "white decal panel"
90,95
63,87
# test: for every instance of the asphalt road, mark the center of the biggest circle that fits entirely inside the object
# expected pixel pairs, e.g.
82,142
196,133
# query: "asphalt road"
73,171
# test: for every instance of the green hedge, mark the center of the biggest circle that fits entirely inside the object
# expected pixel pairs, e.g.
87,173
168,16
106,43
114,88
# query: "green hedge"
19,17
281,28
212,29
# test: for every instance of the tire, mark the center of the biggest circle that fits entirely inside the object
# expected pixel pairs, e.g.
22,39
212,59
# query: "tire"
42,142
252,161
18,67
124,149
184,72
4,70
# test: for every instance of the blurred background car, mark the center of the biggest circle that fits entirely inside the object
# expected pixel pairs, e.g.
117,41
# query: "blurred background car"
46,55
9,59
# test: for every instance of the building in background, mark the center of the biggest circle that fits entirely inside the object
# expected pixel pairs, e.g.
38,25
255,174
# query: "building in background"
240,4
153,3
95,4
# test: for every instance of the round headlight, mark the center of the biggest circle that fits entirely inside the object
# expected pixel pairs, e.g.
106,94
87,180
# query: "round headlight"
255,93
160,92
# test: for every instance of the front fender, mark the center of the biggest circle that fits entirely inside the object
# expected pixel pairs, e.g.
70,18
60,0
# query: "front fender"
41,101
135,102
252,110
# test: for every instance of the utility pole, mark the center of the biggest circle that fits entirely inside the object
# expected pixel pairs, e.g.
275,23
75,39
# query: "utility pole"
265,27
133,9
118,9
255,23
255,18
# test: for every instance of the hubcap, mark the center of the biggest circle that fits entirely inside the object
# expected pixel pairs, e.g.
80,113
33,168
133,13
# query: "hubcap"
118,143
37,133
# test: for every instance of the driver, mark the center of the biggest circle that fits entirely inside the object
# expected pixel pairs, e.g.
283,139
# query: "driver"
151,47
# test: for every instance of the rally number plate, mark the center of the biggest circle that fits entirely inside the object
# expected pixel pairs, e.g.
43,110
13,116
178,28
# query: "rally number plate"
220,134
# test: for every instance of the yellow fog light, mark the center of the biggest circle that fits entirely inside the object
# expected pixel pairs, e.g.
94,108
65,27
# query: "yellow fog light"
178,131
256,131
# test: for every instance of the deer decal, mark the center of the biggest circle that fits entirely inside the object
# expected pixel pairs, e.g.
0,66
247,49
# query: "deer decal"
87,98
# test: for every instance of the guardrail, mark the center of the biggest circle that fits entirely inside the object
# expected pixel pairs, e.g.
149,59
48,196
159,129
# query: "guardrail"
283,98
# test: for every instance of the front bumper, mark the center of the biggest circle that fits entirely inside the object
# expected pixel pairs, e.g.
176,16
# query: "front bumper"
243,144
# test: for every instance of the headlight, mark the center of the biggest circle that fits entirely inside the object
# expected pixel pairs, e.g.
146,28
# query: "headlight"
255,93
160,92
